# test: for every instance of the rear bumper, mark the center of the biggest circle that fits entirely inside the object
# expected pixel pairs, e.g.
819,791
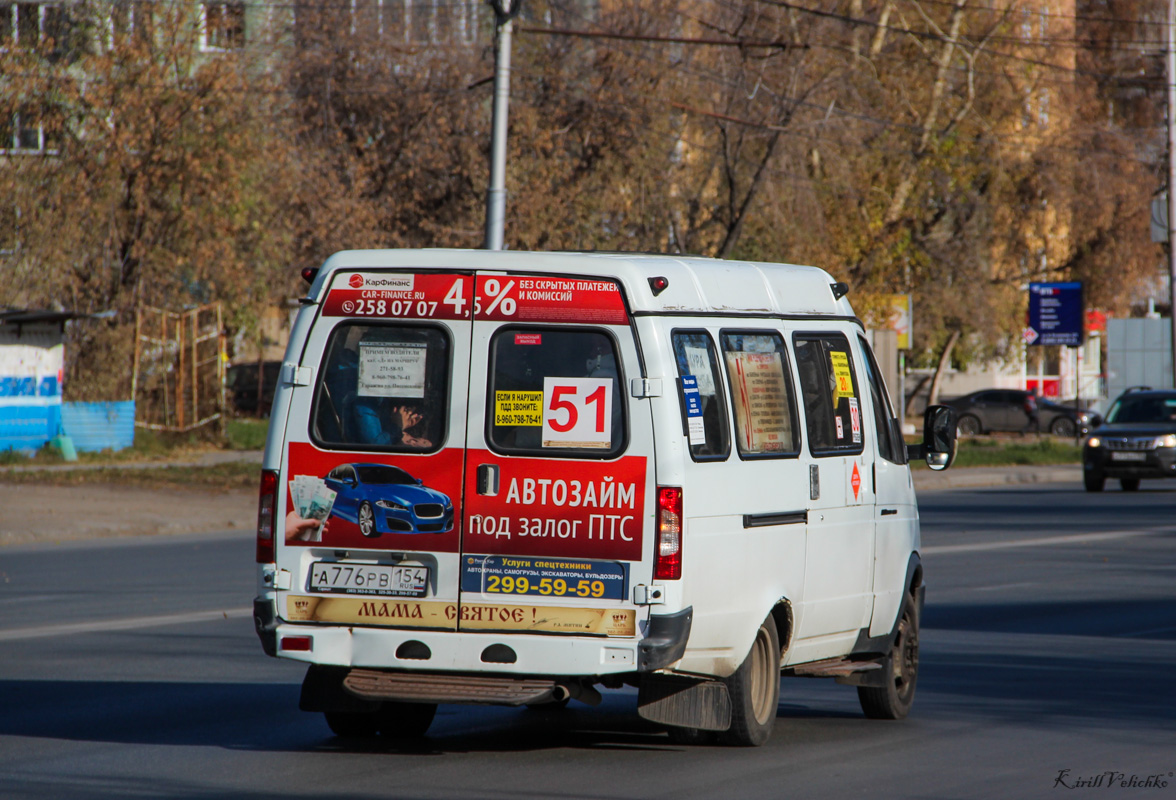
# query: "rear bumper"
476,652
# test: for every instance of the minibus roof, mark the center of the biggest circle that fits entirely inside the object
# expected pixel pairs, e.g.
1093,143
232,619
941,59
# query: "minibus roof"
694,285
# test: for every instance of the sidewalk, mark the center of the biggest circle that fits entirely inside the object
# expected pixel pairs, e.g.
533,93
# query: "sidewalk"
202,459
925,479
974,477
39,512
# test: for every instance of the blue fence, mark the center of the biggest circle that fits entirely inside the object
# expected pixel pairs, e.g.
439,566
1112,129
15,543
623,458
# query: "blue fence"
28,426
92,427
99,426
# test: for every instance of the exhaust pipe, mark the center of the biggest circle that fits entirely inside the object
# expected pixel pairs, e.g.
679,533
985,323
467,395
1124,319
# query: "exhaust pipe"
576,691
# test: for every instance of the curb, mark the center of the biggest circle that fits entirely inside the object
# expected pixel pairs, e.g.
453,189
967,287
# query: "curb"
924,479
979,477
209,459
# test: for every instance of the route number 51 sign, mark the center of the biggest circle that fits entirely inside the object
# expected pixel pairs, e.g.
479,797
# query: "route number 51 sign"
577,412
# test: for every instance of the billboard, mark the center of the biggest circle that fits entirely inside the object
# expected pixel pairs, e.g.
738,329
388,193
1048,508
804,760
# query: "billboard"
1055,314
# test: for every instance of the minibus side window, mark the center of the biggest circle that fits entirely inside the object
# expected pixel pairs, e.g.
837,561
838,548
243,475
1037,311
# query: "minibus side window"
383,387
761,393
884,424
698,369
555,392
832,399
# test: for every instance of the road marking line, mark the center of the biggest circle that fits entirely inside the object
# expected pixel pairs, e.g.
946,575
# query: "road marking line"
125,624
1077,538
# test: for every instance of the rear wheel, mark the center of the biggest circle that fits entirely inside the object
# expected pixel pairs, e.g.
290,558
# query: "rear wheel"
405,720
353,724
969,425
1063,427
1129,484
893,701
367,519
755,689
1094,481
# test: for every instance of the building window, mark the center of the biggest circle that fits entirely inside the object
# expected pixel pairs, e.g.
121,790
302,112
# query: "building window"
22,23
130,20
24,132
223,26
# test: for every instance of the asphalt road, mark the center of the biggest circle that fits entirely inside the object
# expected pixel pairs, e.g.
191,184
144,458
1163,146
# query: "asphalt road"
129,668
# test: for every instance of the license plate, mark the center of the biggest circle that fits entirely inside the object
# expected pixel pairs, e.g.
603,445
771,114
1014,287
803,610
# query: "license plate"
1128,456
379,579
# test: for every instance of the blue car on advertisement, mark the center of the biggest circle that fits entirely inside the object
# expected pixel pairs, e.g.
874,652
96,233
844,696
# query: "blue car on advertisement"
380,499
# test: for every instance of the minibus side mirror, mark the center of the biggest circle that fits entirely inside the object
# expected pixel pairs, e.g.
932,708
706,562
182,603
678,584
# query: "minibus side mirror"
938,447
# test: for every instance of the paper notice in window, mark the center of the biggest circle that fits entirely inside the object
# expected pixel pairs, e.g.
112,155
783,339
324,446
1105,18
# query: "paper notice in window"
518,408
696,432
842,377
389,369
698,359
762,414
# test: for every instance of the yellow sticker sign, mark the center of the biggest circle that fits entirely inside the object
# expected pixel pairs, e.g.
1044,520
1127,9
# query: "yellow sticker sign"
842,377
518,408
399,612
407,613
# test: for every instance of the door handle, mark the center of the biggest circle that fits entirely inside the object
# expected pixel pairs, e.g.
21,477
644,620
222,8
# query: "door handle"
487,483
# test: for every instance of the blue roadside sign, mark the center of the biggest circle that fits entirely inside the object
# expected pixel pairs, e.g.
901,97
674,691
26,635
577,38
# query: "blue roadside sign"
1055,314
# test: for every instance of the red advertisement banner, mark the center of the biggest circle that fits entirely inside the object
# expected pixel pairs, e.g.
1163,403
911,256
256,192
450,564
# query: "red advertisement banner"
536,298
377,500
573,509
396,295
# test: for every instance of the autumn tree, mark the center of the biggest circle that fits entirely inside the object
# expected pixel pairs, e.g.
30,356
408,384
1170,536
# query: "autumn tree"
161,185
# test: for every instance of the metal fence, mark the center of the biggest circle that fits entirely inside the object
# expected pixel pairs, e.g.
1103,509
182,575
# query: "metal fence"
179,374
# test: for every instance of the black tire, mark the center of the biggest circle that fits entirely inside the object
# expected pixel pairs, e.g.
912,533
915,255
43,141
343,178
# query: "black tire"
893,701
1064,427
366,519
755,690
405,720
1129,484
969,425
353,724
1094,481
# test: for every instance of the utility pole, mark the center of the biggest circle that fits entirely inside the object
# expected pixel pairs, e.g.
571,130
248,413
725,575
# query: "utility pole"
504,14
1171,81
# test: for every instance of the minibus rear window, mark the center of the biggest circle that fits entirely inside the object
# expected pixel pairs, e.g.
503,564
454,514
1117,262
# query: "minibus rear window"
555,392
383,387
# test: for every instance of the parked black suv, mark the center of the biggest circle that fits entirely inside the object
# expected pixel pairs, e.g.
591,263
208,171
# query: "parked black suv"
1137,440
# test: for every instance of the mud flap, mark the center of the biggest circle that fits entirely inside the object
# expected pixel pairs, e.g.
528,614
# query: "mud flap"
684,702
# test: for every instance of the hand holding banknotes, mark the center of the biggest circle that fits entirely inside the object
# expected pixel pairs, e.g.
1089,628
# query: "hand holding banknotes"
307,521
304,530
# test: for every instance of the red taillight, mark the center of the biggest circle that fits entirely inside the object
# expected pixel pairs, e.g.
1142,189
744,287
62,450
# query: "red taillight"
667,559
302,643
267,504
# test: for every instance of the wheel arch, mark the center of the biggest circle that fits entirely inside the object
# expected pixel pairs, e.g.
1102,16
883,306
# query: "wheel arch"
914,586
785,623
